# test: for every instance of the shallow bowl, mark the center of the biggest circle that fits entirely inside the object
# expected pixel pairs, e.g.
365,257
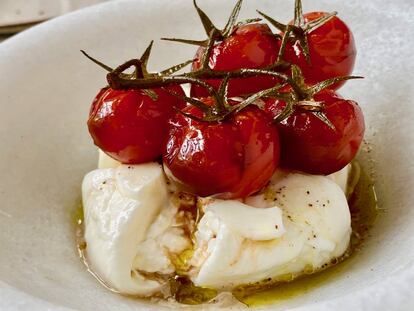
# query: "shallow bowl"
46,87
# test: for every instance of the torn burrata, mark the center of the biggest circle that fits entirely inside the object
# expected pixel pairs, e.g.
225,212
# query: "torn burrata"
137,230
132,228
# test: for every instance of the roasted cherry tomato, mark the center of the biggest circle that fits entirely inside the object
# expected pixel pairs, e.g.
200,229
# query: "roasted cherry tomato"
131,126
250,46
231,159
331,48
310,145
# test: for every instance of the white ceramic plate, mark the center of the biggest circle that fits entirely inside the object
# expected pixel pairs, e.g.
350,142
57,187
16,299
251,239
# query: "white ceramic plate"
46,87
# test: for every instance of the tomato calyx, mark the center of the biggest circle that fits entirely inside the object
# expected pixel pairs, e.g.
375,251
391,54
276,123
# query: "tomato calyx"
213,33
222,109
298,31
216,35
140,70
301,96
141,79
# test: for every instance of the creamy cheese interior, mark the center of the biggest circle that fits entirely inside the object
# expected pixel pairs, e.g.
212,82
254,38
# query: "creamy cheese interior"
131,227
134,230
234,247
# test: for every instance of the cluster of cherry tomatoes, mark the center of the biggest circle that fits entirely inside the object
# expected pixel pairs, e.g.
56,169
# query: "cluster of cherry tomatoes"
236,156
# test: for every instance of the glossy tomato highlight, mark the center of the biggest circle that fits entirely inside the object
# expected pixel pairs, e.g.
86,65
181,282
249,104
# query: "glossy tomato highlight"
250,46
331,48
232,159
310,145
131,126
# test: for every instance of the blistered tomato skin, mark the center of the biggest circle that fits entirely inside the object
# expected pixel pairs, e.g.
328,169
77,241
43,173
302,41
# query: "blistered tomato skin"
129,125
250,46
332,51
230,159
311,146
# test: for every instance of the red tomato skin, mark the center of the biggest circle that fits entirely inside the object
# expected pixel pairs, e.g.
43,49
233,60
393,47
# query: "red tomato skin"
131,127
250,46
204,157
331,48
309,145
261,152
229,159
